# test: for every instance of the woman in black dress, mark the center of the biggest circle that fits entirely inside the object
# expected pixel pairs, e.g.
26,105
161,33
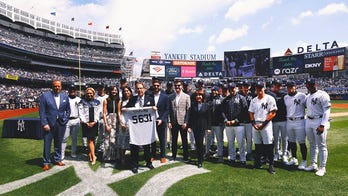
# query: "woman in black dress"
89,110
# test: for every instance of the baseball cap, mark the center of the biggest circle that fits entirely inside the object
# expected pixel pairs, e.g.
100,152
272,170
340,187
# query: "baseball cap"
260,84
246,83
71,87
310,81
277,82
290,83
214,88
224,86
231,85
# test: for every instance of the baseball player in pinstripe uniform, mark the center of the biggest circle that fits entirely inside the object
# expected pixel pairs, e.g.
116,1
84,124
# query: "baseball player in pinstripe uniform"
317,124
262,110
295,106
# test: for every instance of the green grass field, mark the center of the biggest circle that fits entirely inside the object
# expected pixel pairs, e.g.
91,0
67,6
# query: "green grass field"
20,158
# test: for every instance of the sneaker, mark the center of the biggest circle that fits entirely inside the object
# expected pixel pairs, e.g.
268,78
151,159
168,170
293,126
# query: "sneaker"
312,167
303,164
276,157
321,171
293,161
285,159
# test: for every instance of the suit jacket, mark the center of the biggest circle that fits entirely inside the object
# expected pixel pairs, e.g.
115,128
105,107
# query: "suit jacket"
200,119
180,113
163,107
148,101
49,113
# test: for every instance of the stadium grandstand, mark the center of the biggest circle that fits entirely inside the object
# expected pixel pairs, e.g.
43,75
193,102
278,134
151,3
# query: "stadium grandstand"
35,50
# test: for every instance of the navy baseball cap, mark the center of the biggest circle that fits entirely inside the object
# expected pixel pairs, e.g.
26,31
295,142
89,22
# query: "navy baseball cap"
310,81
260,84
246,83
72,87
277,82
232,85
215,88
225,86
290,83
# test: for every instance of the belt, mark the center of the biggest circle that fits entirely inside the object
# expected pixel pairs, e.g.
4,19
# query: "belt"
296,118
315,117
71,118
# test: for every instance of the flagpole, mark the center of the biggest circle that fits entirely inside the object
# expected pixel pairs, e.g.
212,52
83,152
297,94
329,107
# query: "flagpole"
78,50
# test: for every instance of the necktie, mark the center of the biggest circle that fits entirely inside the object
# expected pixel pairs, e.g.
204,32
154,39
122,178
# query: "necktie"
141,104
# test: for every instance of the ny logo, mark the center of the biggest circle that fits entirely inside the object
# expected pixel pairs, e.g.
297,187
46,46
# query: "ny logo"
20,125
264,106
315,101
297,101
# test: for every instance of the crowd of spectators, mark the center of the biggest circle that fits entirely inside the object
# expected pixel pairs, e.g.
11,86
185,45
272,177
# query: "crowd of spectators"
58,48
19,96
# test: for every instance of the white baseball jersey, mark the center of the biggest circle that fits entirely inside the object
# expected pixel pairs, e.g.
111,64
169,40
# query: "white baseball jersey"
262,107
295,105
74,103
141,124
101,99
318,104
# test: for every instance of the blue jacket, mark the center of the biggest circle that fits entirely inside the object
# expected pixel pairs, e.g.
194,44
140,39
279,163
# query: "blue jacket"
49,113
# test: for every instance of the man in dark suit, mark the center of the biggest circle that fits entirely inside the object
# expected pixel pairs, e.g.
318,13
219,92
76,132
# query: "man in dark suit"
180,104
54,114
139,101
162,104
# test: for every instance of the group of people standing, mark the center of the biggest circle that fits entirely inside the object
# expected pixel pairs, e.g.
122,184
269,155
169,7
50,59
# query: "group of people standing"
124,119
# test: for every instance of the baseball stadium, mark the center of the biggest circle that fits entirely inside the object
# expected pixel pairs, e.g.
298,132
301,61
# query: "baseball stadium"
35,51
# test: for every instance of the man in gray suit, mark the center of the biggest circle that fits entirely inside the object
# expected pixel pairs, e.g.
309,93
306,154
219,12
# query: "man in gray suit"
180,105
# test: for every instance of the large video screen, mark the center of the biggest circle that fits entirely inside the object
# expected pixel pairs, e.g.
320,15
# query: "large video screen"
247,63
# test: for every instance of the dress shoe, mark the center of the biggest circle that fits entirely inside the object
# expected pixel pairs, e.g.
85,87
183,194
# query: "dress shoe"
60,163
135,170
199,165
163,160
46,167
271,169
150,166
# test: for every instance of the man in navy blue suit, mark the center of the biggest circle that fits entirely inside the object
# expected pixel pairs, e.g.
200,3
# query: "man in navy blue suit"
163,106
54,114
139,101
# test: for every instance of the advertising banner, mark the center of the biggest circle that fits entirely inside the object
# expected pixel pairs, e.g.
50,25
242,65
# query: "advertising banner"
288,65
157,70
209,69
188,71
160,62
184,63
333,63
247,63
173,71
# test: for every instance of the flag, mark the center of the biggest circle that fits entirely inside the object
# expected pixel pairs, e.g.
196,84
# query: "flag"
53,13
107,27
131,53
90,23
120,28
72,19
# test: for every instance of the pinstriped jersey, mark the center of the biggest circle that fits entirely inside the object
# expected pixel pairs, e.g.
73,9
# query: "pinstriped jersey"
262,107
295,105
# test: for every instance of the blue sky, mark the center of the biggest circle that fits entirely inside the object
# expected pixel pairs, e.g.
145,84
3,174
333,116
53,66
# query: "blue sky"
208,26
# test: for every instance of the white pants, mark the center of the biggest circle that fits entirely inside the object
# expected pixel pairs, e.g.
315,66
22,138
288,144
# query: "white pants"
72,127
317,142
248,137
279,132
238,133
296,131
264,136
218,131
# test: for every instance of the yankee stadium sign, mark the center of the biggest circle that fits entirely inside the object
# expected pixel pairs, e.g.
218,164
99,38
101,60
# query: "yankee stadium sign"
192,57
